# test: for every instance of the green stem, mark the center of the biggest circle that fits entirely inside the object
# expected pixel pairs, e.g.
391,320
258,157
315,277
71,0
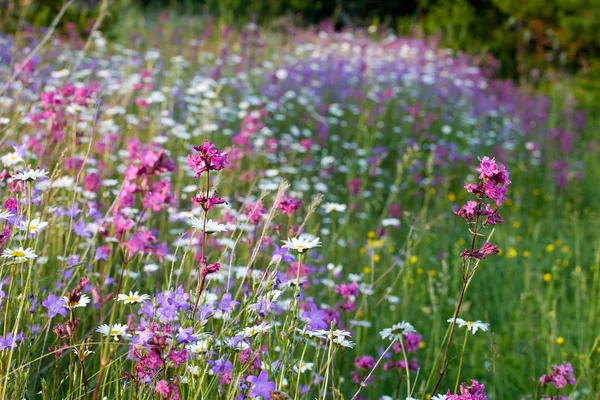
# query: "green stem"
462,355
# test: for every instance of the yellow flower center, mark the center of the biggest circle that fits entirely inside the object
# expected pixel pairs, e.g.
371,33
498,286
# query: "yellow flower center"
32,228
71,303
18,253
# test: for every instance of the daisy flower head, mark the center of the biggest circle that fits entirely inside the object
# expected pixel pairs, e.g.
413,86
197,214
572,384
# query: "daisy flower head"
19,254
201,346
301,244
397,331
114,330
5,214
211,226
472,326
334,207
133,297
11,159
82,301
30,175
302,367
255,330
34,226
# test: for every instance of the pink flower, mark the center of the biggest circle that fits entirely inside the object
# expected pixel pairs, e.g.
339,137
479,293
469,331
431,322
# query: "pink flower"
288,205
207,159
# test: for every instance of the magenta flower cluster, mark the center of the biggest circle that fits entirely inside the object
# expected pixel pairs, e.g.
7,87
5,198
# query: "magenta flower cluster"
208,158
560,376
492,185
476,391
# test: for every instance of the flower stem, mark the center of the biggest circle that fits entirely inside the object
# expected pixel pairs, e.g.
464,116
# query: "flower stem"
445,362
408,391
363,383
462,355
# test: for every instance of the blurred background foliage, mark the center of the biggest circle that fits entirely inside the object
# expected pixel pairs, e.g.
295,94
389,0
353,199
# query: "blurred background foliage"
537,42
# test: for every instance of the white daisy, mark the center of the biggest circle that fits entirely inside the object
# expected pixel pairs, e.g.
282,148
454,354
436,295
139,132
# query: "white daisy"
331,207
439,397
337,336
211,226
19,254
301,244
83,301
5,214
472,326
302,367
34,226
193,369
115,330
11,159
30,175
397,331
201,346
133,298
395,222
343,343
255,330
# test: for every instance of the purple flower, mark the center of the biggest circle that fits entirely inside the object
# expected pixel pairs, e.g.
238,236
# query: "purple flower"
261,386
315,318
9,342
186,335
55,305
280,255
226,304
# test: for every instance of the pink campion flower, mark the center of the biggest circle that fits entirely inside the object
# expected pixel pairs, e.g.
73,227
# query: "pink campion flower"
468,211
208,202
254,212
560,376
159,195
92,182
364,362
474,392
411,340
207,159
154,162
354,186
347,290
211,268
288,205
496,193
394,211
485,250
493,217
487,167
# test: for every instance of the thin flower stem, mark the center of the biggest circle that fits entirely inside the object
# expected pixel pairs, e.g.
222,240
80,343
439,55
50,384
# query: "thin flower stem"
462,356
445,362
363,383
201,276
408,391
467,274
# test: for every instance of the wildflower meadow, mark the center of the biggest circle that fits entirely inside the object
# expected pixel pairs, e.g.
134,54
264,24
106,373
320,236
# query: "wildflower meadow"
203,211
